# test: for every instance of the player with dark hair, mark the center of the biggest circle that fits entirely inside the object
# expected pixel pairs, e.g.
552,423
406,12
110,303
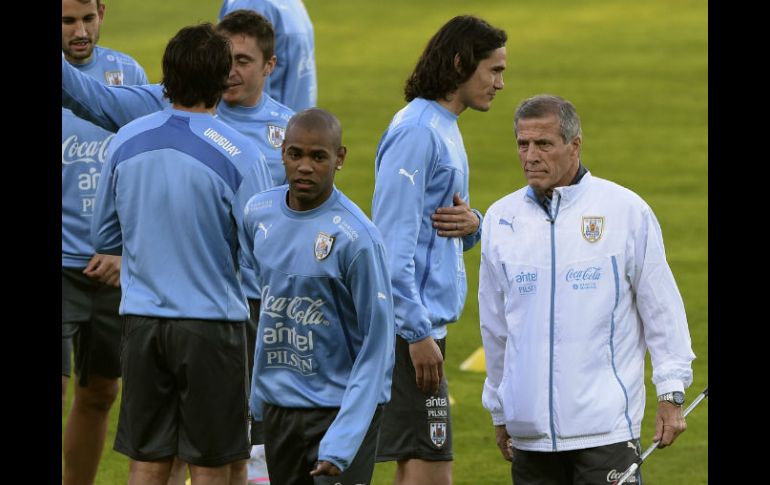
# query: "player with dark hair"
171,200
421,202
90,287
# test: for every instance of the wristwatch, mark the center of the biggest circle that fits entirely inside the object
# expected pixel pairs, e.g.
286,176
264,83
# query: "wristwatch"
676,398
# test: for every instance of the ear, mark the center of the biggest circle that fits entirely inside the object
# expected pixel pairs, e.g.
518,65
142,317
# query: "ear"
100,11
342,152
575,145
458,64
269,66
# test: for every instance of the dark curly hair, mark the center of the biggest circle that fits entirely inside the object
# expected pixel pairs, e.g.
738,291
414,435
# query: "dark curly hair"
466,36
196,65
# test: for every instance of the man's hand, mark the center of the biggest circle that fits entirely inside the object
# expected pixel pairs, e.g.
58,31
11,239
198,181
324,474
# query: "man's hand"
325,468
456,221
428,364
504,442
104,268
669,423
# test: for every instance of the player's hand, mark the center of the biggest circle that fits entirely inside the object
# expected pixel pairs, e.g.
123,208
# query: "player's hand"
104,268
428,364
669,423
455,221
325,468
504,442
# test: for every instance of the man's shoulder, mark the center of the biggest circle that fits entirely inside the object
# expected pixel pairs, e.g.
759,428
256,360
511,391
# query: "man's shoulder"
613,192
354,223
507,202
414,119
275,112
266,201
107,55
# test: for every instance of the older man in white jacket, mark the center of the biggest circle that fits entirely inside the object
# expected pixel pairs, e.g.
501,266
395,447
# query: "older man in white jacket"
574,287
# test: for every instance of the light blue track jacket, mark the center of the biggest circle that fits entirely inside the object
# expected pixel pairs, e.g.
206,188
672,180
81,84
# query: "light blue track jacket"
326,329
83,153
420,163
294,81
171,200
113,107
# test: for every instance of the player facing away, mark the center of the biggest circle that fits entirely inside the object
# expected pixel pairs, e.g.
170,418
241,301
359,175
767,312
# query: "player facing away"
171,200
324,356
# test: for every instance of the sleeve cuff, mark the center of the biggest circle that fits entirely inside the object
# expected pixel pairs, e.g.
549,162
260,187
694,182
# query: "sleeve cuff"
117,251
672,385
481,221
498,418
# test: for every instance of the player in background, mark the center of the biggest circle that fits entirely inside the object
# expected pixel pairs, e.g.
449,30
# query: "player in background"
90,286
294,81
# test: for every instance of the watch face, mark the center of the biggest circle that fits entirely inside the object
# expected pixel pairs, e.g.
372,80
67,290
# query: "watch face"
678,398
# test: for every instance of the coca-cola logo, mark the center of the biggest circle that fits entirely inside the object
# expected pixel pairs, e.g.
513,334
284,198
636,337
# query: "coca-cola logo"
302,310
592,273
615,475
73,150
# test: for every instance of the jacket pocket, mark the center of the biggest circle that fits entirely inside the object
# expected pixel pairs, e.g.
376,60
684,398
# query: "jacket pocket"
586,396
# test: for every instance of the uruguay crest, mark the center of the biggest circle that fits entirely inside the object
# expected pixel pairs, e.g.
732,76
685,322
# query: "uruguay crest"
593,228
438,433
113,78
275,135
323,245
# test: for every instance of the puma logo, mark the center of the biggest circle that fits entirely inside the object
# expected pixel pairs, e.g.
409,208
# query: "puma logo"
261,227
503,222
408,175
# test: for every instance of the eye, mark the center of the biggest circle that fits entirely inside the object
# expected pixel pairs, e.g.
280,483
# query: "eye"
293,154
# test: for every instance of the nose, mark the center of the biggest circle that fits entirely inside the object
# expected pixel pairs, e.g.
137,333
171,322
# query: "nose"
530,154
499,84
305,165
80,29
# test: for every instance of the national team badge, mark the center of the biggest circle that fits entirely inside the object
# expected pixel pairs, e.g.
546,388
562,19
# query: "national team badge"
323,245
438,433
593,228
275,135
114,78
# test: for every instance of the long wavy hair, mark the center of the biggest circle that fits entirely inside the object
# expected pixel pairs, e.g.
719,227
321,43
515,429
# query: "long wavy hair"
469,38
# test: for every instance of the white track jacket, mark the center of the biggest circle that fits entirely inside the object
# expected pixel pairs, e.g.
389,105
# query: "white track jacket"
569,302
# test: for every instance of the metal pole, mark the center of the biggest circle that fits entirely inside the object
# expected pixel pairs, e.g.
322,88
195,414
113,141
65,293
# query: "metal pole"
635,466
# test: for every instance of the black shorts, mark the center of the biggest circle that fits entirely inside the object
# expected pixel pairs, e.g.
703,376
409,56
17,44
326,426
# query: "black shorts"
184,391
292,438
415,424
256,433
66,354
251,332
89,312
601,464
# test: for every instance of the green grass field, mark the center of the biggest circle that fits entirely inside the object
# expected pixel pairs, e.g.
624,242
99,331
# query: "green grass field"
637,73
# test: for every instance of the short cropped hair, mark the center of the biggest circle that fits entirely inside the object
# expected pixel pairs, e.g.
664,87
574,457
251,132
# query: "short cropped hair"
543,105
252,24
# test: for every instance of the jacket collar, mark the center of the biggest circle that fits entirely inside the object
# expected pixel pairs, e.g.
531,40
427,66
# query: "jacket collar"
566,195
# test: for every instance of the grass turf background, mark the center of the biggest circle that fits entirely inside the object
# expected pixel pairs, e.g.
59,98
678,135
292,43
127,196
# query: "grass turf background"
638,75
